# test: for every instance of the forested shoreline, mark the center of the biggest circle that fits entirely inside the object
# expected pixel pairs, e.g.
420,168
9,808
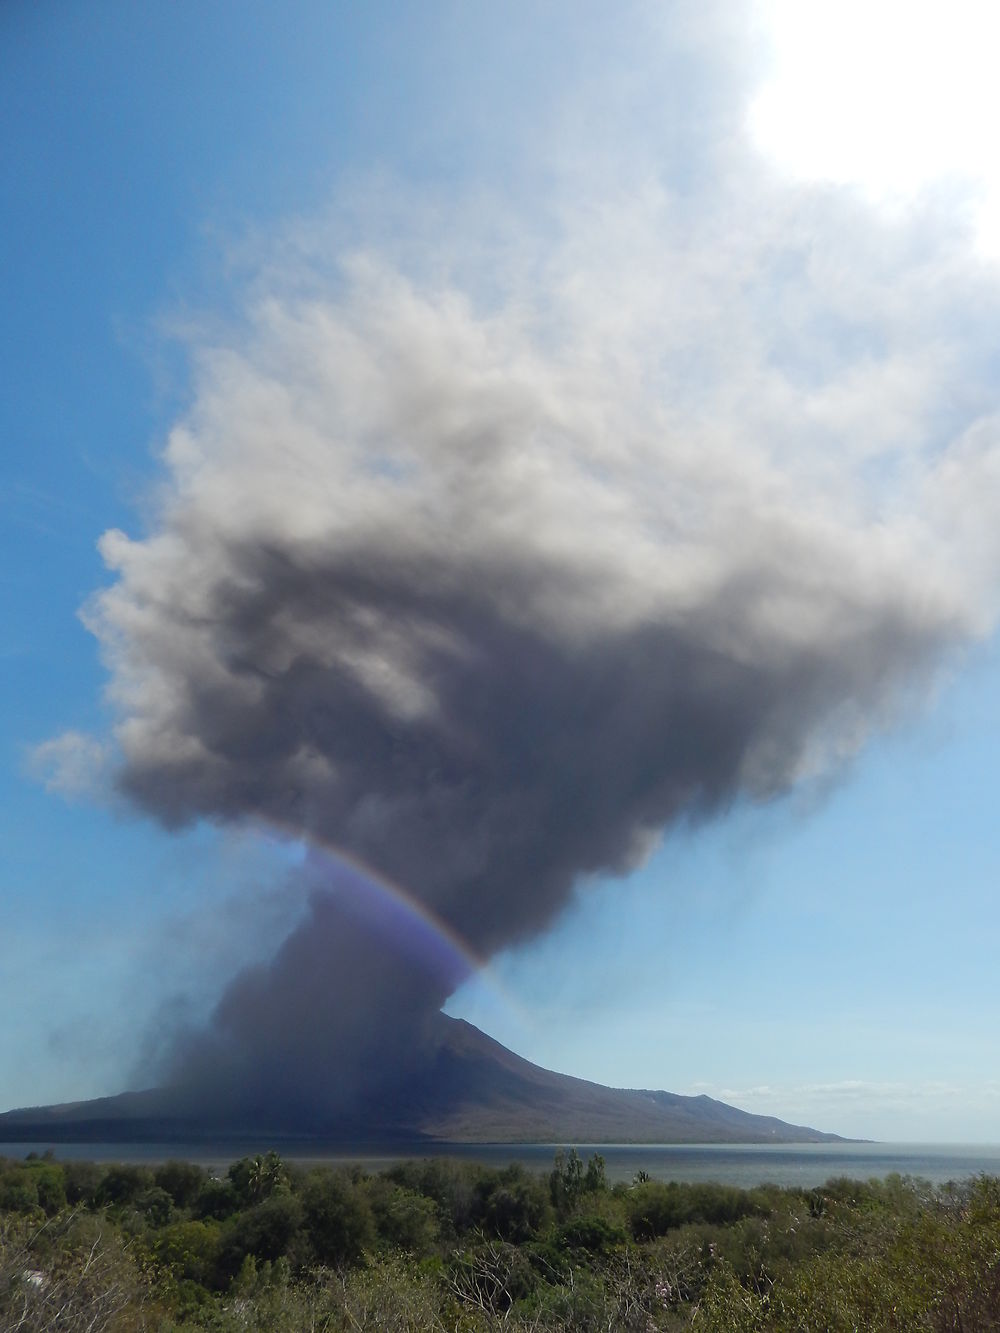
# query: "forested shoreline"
440,1244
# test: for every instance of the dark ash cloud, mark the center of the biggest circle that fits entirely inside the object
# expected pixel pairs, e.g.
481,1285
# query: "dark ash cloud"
490,602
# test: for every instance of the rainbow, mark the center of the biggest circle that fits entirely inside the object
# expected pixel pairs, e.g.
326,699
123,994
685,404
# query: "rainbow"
392,911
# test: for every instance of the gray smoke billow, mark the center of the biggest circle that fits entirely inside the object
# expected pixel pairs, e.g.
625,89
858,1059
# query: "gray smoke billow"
489,603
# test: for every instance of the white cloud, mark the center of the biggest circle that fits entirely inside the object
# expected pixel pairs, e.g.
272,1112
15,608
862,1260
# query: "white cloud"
73,764
928,1109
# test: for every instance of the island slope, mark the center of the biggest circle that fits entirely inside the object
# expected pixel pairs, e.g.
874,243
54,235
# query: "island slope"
470,1090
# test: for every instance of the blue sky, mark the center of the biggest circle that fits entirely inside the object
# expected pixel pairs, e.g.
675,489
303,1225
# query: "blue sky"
826,955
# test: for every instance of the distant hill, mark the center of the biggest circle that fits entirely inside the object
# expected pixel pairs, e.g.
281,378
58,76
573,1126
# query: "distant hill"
472,1090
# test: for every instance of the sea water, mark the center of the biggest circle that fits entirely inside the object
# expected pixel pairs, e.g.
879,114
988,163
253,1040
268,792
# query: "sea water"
744,1165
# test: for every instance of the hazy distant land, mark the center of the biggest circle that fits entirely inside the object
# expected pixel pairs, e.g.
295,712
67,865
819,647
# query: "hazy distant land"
472,1090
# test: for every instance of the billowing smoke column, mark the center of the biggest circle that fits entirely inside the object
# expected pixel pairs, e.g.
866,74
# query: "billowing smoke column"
488,603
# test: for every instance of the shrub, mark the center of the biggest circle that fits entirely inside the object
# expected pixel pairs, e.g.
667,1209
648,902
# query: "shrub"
123,1184
265,1231
338,1218
257,1178
453,1186
155,1205
190,1250
569,1181
591,1234
50,1185
75,1276
183,1181
403,1218
216,1199
655,1209
515,1209
82,1180
18,1192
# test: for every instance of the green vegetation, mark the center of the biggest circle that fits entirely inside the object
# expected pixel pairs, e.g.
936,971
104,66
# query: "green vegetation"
442,1245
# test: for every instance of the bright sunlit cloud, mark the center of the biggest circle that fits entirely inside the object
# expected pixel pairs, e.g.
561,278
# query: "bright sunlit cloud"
892,97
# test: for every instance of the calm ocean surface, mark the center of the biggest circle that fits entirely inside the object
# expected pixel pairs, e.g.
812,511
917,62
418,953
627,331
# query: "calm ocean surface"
732,1164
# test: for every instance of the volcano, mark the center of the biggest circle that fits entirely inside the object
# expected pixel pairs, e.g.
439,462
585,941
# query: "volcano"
470,1090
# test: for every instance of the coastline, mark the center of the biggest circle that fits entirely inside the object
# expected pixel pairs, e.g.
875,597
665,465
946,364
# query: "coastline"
744,1165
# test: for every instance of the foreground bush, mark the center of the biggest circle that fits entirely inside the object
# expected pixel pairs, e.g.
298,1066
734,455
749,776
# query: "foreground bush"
453,1246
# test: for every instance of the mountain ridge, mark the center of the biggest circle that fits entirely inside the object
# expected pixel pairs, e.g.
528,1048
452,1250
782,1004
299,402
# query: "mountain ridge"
471,1089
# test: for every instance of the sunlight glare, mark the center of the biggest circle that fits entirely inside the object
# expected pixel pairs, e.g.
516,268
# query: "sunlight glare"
891,96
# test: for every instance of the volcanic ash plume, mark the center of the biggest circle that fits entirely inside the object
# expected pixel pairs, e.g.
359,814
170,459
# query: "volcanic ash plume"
485,609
